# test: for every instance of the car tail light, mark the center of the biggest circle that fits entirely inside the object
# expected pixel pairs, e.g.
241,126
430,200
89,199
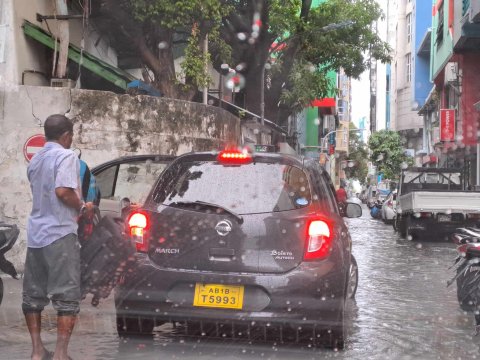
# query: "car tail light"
319,240
234,157
137,229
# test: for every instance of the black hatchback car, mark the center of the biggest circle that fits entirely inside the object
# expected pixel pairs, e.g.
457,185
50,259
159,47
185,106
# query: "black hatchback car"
241,242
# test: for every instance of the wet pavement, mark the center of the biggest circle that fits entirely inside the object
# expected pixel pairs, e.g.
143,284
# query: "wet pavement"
403,310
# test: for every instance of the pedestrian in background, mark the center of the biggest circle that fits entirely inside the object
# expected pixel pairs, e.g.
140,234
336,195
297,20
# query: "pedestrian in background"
52,266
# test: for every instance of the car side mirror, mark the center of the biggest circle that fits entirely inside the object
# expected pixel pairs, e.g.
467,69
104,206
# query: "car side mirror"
353,210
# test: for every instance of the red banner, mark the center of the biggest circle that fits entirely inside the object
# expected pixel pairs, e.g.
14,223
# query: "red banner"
447,125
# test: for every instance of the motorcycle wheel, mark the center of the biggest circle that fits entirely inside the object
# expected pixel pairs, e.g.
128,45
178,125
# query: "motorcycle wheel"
467,291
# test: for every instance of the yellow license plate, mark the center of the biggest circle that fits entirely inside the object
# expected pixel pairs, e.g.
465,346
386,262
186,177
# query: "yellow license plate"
218,296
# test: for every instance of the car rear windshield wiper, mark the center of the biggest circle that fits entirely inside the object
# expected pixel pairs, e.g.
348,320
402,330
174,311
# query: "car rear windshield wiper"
206,204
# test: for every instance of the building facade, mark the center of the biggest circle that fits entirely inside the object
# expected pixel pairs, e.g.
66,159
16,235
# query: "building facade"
452,115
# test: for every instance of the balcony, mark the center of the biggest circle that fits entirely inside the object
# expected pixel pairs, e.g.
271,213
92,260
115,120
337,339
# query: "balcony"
467,26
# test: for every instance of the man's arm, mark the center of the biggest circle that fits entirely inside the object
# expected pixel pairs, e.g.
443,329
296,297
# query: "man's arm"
69,197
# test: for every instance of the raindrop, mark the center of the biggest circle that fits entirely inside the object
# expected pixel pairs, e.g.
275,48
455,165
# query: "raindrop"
417,215
162,45
284,231
241,67
323,298
256,131
404,165
410,237
244,351
288,302
234,81
251,41
210,102
289,309
419,246
242,36
316,121
448,212
312,68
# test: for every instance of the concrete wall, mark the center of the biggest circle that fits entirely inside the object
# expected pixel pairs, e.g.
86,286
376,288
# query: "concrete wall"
106,126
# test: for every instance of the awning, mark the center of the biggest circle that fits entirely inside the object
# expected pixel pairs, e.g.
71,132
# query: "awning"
99,67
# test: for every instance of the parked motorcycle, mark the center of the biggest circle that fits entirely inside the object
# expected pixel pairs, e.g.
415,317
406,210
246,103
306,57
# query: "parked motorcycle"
467,267
8,237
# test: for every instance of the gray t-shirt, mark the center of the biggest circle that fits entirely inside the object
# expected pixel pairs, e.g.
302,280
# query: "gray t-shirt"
50,219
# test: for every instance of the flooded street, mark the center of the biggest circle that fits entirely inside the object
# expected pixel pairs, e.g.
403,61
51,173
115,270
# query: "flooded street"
403,310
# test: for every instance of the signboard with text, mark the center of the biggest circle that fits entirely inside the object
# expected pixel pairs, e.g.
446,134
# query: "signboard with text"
447,125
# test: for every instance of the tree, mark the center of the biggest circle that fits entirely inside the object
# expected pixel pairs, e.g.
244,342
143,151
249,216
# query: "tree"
153,29
387,153
247,34
358,154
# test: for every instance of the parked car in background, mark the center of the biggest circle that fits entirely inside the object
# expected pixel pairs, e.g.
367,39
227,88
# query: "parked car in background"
127,180
389,208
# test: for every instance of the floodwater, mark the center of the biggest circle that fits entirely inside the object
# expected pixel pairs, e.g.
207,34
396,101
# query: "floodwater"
403,310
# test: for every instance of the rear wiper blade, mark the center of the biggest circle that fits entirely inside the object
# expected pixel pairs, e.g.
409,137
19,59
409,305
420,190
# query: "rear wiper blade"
206,204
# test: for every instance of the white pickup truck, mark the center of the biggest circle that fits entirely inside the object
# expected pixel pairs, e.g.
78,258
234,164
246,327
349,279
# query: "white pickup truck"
432,201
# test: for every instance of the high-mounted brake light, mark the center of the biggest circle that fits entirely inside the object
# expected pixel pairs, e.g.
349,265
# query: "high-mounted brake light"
137,228
234,157
319,240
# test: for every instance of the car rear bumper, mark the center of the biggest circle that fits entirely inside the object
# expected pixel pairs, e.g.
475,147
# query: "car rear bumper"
311,294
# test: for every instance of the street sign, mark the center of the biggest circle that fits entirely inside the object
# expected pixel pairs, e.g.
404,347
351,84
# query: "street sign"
447,125
33,145
265,148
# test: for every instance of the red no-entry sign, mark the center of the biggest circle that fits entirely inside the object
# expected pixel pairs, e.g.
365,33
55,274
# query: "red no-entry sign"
33,145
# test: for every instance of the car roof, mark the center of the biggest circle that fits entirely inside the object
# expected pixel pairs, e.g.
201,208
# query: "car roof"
133,158
261,156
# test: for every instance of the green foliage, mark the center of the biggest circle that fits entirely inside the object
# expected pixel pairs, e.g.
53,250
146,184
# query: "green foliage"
326,48
387,153
192,17
308,83
358,153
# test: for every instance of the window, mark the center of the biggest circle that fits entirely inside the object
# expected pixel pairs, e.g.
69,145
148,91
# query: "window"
287,187
409,28
440,25
408,62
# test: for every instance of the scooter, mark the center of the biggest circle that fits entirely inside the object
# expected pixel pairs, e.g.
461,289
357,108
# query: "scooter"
376,210
467,267
8,237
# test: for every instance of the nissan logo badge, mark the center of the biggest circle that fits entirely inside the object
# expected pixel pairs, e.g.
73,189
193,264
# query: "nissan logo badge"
223,227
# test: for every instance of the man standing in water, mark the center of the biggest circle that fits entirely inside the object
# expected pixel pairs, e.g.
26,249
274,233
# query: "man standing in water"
52,266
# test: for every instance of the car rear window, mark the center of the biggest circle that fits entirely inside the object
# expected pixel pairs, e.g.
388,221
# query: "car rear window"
246,189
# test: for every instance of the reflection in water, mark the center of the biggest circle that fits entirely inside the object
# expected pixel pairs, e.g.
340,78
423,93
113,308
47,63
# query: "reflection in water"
403,310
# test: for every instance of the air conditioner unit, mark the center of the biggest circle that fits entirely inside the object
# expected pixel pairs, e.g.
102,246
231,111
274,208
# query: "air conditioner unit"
451,72
65,83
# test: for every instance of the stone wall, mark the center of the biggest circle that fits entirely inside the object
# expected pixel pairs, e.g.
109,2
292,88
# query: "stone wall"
106,126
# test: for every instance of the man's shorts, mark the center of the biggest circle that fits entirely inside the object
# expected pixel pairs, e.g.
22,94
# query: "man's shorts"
53,273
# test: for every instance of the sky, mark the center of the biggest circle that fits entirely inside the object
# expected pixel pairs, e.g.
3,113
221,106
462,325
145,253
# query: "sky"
361,99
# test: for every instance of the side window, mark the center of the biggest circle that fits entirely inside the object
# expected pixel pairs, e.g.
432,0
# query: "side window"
325,194
135,180
106,181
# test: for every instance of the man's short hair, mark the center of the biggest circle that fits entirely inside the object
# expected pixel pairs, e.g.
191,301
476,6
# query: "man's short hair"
56,125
